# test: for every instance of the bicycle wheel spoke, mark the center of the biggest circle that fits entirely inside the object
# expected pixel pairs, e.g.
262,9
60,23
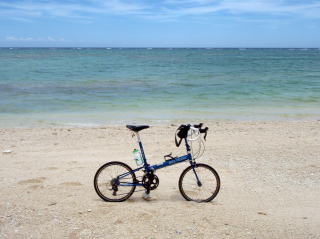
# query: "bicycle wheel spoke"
206,190
107,183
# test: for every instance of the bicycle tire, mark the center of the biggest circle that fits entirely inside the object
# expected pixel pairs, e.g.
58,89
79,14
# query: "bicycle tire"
122,168
215,187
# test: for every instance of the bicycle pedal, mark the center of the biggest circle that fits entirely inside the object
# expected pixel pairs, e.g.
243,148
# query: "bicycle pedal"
146,196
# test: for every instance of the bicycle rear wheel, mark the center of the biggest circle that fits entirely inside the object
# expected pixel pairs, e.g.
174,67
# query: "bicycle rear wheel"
109,186
199,183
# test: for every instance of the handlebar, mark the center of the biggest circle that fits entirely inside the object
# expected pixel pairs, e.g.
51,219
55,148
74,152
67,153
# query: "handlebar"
184,129
201,131
199,126
194,131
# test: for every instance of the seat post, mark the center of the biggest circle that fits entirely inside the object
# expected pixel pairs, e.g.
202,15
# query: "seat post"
138,137
141,148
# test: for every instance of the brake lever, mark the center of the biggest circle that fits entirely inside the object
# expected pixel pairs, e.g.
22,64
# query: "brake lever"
205,131
205,135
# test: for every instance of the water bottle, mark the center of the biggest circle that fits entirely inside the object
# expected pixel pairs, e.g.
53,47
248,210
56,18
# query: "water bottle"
137,157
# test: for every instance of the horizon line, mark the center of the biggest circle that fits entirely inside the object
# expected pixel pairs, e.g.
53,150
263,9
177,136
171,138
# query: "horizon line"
157,47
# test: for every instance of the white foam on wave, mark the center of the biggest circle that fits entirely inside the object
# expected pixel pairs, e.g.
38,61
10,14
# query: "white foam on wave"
86,125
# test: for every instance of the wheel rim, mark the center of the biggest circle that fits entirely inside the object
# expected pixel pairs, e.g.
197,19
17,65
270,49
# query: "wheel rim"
208,188
106,182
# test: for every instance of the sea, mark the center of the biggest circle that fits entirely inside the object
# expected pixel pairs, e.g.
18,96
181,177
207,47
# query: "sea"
42,87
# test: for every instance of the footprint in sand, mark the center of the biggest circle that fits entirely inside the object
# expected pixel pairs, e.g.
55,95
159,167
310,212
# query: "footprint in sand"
118,221
145,216
71,183
36,186
32,181
51,168
262,213
175,197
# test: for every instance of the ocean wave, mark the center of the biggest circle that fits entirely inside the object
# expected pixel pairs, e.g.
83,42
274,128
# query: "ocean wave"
157,83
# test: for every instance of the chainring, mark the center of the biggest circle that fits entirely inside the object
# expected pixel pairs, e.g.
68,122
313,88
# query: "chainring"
150,181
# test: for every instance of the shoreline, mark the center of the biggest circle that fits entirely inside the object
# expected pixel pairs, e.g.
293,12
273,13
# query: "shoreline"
42,124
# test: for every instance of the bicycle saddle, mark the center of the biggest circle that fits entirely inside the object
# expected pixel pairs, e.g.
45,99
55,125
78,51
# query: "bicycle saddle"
137,128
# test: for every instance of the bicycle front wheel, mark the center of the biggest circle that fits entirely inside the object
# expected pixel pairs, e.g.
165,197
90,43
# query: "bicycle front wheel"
114,181
199,183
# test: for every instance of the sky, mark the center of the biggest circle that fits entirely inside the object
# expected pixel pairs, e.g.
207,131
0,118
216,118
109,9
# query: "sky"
160,23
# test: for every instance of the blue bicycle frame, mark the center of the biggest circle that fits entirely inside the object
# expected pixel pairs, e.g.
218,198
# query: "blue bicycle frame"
147,168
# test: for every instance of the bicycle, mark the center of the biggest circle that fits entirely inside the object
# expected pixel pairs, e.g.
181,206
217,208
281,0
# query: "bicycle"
115,181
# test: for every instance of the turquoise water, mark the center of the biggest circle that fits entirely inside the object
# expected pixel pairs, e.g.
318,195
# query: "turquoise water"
97,86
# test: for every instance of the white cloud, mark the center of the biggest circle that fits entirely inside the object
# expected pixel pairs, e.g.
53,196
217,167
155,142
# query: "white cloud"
11,38
20,39
70,10
272,7
28,9
33,39
189,1
51,39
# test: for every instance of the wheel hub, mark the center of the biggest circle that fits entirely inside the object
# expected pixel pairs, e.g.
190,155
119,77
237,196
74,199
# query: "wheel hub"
114,185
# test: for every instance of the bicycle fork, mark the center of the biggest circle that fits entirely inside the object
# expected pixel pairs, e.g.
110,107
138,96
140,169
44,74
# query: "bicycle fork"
197,177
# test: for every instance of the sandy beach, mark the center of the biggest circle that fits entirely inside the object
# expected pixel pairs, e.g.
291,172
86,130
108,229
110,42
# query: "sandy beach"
270,183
